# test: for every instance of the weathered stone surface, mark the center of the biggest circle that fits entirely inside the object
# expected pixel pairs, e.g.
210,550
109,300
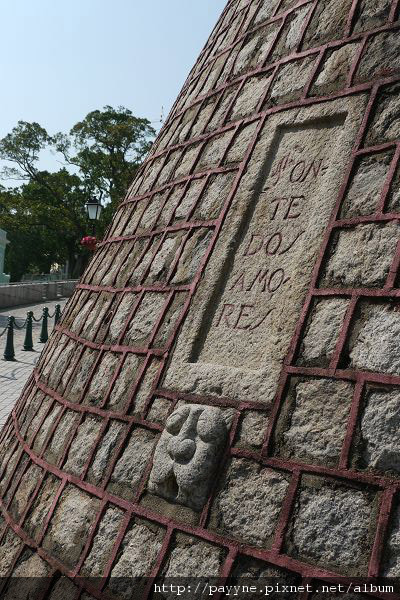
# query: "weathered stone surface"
41,506
187,455
379,430
192,256
81,316
147,213
103,543
96,316
144,254
328,22
385,125
362,256
214,196
8,470
10,546
80,377
214,151
161,264
61,435
82,445
249,97
318,420
188,161
66,373
139,551
103,274
393,200
371,14
366,186
193,558
37,409
132,463
60,367
43,406
290,81
126,378
173,168
255,50
144,321
28,412
147,383
46,428
27,485
118,274
190,125
381,57
21,465
331,528
375,347
240,144
65,589
31,578
101,378
249,571
8,448
322,333
170,320
189,200
244,489
104,452
391,563
167,210
252,429
118,321
70,525
69,313
290,36
159,410
265,11
335,69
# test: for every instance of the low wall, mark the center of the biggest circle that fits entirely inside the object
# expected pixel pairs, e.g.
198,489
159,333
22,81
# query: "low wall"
17,294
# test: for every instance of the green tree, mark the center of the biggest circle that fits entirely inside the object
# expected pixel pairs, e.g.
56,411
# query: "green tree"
45,216
43,231
107,147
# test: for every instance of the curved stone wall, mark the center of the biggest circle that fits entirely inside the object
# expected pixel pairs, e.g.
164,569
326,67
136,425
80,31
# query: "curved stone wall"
222,395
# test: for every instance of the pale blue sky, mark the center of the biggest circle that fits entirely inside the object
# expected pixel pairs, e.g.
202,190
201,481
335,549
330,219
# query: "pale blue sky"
62,59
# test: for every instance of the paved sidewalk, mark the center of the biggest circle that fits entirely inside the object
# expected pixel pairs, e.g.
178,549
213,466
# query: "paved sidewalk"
14,374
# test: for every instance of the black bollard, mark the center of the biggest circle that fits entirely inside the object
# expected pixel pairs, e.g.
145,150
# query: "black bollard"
9,353
28,342
57,314
44,334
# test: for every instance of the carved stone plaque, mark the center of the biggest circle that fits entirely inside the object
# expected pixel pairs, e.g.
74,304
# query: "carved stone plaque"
255,285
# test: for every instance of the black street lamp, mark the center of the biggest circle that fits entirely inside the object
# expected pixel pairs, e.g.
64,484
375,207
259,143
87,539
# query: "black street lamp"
93,209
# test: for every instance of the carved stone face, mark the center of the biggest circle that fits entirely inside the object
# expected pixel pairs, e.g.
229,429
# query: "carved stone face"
187,454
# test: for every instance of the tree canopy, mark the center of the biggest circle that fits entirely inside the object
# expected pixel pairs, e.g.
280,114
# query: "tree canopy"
45,216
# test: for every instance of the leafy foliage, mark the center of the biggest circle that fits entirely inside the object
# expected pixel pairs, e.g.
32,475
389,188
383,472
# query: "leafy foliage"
45,217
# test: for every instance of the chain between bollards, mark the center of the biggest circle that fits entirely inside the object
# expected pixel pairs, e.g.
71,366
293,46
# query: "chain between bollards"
44,334
9,353
28,342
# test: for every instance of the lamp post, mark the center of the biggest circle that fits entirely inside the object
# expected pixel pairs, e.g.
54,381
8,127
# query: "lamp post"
93,209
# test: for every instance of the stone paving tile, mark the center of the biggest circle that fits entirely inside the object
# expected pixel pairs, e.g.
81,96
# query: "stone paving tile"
14,374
